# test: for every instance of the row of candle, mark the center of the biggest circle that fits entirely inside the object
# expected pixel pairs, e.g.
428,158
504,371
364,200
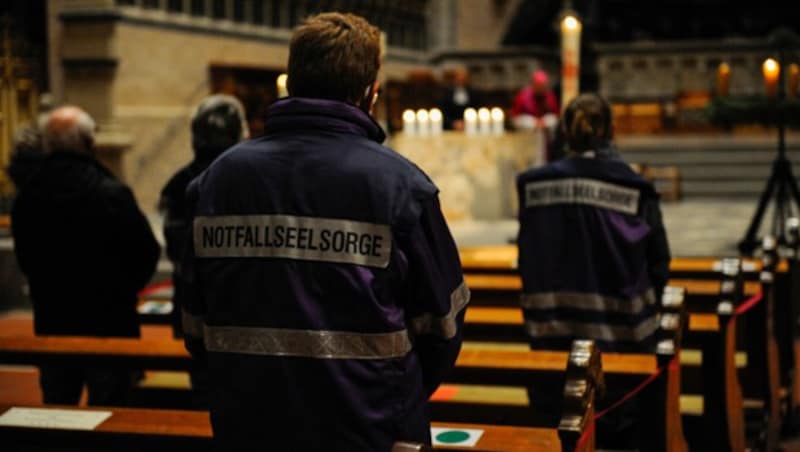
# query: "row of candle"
423,122
483,121
771,70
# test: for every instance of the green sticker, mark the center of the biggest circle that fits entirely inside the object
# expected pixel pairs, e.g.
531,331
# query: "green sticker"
452,436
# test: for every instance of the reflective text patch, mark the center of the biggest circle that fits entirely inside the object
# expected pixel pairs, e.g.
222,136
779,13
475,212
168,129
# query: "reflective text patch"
582,191
286,236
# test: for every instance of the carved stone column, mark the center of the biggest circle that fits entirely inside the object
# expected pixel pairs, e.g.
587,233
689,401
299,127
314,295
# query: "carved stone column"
89,62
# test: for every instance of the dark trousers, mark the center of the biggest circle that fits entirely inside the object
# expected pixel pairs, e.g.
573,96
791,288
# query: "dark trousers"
63,384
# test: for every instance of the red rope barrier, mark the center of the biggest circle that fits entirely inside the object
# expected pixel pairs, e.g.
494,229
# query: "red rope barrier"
748,305
673,364
647,381
153,288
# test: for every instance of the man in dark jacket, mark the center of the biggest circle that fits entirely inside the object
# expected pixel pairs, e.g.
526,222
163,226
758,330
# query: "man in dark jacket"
86,250
327,289
217,124
457,99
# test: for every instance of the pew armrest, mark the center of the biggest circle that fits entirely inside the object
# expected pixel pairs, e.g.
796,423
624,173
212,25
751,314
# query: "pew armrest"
584,379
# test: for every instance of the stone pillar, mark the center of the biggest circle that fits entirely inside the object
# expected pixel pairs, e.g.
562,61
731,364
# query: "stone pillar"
88,63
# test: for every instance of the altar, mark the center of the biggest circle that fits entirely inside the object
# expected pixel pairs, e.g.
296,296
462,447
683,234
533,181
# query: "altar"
475,174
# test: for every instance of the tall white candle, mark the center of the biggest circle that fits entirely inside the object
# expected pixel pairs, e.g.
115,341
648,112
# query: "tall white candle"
498,121
570,58
281,85
409,123
423,123
435,116
484,121
470,121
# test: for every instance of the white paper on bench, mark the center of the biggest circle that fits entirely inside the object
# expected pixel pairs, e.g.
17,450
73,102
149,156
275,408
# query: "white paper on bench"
462,437
53,418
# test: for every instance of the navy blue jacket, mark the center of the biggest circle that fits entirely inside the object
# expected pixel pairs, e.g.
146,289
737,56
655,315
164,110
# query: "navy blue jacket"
593,254
324,283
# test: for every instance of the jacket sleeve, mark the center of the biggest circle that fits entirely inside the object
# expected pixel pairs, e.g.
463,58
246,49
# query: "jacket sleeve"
437,294
140,250
193,309
658,254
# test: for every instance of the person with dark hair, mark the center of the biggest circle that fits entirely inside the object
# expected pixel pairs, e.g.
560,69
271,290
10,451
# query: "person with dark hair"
26,157
86,250
323,285
28,149
217,124
593,252
458,98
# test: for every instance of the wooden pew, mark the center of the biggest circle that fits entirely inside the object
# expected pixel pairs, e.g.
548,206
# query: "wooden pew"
790,357
502,259
505,289
620,370
509,368
583,375
136,429
763,381
759,384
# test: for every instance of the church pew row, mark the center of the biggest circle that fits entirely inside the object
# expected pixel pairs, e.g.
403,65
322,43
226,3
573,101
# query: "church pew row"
476,366
502,259
582,375
156,430
504,290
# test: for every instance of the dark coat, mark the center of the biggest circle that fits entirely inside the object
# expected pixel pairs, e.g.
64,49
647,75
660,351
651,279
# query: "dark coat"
177,225
84,246
593,254
325,285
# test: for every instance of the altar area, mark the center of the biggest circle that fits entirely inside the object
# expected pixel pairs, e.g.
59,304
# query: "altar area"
475,174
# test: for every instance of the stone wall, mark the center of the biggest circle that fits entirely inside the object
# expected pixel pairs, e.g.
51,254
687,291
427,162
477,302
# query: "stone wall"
664,70
140,73
476,175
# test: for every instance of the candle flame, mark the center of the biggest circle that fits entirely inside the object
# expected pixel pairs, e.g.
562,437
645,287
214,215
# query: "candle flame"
497,114
470,114
571,23
771,68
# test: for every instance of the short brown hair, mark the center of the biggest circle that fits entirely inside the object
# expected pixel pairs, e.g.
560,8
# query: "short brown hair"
587,122
333,56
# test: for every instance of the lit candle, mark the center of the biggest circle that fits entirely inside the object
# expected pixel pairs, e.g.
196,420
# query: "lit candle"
423,123
772,71
470,121
484,121
794,73
723,78
435,116
498,121
570,58
281,84
409,123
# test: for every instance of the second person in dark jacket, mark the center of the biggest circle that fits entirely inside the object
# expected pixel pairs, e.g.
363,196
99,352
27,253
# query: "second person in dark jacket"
86,250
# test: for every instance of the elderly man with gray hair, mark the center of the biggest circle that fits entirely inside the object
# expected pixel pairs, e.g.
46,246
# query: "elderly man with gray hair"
86,250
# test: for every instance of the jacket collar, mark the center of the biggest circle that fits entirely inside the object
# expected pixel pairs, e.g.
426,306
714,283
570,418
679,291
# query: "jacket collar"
302,113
